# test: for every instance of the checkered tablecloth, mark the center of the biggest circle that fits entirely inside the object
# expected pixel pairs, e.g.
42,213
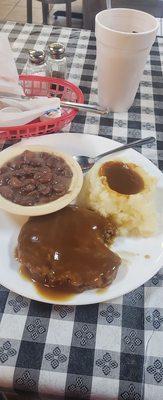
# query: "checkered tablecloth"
103,351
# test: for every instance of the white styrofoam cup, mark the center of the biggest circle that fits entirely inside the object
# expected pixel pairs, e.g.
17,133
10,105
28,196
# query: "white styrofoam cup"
124,38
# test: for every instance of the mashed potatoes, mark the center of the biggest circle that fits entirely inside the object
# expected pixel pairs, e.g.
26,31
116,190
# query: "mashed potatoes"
134,214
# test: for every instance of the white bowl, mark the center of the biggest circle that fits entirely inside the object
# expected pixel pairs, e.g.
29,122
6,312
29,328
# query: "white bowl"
52,206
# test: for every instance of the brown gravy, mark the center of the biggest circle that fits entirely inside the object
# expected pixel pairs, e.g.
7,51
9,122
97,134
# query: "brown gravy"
121,177
47,292
67,250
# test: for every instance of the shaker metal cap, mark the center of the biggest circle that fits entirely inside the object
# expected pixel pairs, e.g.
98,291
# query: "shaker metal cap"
56,50
37,56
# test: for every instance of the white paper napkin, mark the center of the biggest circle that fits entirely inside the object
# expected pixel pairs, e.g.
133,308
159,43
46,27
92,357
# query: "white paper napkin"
9,78
19,112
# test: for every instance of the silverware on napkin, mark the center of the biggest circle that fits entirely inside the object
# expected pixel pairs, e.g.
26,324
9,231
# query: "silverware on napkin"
64,104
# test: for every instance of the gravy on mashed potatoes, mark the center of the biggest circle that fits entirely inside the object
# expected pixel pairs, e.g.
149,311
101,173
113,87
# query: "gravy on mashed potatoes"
123,190
122,177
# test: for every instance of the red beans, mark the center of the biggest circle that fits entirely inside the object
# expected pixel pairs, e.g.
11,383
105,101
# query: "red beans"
44,175
15,182
6,192
34,178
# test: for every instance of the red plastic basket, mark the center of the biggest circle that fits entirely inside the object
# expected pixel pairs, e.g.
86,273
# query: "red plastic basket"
45,86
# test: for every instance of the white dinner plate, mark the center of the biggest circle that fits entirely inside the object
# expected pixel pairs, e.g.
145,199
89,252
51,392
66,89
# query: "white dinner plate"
135,269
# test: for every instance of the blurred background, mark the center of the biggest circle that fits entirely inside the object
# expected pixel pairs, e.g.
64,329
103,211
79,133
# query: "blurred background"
75,13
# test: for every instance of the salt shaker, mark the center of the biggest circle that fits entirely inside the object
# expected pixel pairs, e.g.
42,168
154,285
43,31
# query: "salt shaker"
57,64
36,64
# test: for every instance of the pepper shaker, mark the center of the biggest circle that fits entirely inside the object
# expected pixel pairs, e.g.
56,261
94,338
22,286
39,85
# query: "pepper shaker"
57,64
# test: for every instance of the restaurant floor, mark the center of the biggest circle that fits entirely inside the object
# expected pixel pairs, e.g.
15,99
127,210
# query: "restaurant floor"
15,10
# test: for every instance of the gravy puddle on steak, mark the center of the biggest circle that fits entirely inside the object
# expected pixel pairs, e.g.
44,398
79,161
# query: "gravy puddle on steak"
67,252
49,293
